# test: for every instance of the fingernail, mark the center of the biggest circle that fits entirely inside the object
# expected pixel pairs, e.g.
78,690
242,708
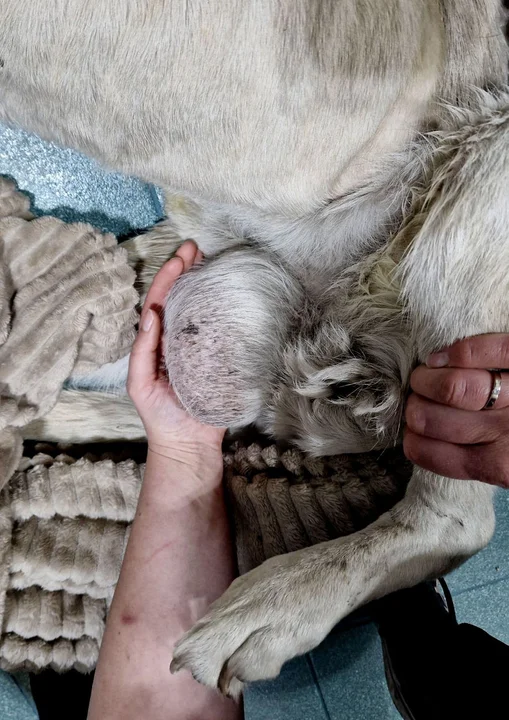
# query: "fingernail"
174,667
437,360
147,321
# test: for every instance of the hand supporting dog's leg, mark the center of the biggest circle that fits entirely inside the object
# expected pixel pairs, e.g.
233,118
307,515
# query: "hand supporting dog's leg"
147,253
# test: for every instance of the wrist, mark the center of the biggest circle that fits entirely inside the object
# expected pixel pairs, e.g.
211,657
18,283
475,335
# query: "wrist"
194,464
183,445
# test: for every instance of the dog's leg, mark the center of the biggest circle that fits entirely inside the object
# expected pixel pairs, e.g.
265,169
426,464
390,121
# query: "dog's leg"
289,604
186,221
148,252
454,282
88,417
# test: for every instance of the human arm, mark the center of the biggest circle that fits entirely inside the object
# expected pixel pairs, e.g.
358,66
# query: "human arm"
179,556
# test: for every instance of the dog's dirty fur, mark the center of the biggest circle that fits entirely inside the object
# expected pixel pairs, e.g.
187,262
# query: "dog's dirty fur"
343,167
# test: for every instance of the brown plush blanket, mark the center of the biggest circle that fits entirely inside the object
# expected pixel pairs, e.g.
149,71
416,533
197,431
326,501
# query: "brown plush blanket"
65,517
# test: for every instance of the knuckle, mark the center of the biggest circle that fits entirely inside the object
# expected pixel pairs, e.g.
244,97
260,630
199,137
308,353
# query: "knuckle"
504,351
464,353
414,415
454,388
478,429
494,428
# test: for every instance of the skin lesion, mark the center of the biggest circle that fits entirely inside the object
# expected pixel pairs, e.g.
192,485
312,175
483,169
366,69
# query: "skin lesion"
128,619
190,329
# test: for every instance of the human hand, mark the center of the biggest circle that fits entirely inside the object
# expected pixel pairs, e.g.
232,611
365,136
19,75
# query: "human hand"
448,432
171,431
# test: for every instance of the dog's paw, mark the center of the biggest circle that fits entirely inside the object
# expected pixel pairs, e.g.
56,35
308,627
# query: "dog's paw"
265,618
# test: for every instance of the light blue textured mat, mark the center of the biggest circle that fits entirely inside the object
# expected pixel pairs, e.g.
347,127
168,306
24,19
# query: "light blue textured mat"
72,187
343,679
480,587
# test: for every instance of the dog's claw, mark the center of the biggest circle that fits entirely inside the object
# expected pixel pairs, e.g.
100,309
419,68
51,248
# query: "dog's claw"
224,680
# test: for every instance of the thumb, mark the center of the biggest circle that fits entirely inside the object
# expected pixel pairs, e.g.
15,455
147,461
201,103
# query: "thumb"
144,360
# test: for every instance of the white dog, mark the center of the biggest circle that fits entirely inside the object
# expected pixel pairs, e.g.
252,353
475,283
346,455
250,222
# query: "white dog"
344,167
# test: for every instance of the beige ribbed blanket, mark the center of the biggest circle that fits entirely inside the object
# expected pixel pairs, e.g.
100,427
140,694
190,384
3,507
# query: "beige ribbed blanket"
64,524
67,303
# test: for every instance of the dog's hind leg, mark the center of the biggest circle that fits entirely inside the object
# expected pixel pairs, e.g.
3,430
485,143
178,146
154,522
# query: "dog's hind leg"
454,283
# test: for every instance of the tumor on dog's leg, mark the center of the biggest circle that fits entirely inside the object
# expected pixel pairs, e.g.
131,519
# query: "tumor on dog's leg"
226,324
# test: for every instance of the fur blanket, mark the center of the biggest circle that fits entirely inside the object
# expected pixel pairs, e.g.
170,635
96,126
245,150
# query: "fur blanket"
65,518
67,302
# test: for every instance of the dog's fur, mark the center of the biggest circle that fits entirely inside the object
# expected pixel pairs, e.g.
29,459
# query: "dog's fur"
293,140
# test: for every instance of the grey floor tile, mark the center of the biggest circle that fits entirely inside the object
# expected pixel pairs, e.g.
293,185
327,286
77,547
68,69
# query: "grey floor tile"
486,607
349,668
294,695
480,588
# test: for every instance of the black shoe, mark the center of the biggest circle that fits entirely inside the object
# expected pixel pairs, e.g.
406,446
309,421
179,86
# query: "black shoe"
435,668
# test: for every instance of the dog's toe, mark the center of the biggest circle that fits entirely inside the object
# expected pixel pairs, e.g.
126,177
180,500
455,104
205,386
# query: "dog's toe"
205,650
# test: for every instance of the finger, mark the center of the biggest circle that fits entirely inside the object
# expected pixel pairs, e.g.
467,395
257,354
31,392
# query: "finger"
187,252
487,463
442,458
162,284
463,427
460,388
144,359
481,351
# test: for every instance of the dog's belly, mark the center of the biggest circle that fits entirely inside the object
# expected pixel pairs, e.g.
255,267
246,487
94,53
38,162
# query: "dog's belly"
280,106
